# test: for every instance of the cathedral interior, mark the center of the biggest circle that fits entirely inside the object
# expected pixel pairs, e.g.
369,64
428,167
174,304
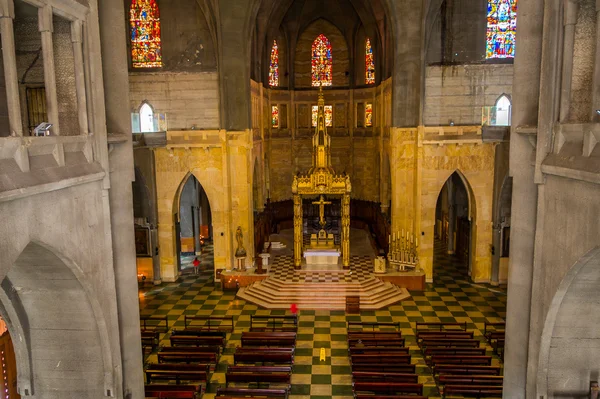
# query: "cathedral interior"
299,199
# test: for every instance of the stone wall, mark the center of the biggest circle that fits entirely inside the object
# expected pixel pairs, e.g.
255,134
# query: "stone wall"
187,99
458,93
64,64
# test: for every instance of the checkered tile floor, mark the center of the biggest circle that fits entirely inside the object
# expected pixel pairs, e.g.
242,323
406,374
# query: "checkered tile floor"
450,299
361,268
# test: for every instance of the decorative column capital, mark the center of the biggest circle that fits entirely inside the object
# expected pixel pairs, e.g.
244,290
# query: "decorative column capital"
76,31
45,19
7,9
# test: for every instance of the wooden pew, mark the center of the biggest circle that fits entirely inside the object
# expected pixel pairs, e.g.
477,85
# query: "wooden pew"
258,374
235,393
428,352
458,369
376,342
366,376
498,347
173,391
490,328
177,372
192,340
375,359
358,396
199,333
437,326
193,354
473,390
388,387
269,339
154,323
488,380
384,335
284,323
449,343
150,340
209,323
359,326
472,360
456,335
263,355
354,350
386,367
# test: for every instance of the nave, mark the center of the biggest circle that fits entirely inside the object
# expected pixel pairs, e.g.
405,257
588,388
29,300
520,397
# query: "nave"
450,299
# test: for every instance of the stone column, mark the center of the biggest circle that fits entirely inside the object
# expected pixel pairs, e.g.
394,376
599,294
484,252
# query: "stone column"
297,231
526,94
7,14
570,19
451,215
596,85
196,218
118,121
45,28
346,231
79,76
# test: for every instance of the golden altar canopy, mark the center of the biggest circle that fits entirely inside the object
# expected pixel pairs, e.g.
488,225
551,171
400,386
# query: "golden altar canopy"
321,180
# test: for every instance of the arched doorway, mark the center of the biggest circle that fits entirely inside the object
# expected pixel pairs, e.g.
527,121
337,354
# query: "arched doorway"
192,219
8,364
453,229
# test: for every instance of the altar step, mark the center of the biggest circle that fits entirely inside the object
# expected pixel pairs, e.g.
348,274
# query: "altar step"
273,293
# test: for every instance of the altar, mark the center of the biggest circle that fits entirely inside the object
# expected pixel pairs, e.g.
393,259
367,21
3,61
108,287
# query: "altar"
321,257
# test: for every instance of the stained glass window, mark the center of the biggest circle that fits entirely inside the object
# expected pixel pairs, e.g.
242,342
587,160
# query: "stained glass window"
501,28
275,116
144,20
328,115
369,63
274,65
368,115
321,61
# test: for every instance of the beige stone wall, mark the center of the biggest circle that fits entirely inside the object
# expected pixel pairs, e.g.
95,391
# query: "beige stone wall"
188,99
224,171
457,93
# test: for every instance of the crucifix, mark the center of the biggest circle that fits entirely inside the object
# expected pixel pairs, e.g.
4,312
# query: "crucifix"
322,204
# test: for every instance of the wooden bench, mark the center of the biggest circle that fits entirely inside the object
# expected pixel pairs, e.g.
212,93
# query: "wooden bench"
216,349
388,387
180,354
269,339
285,323
498,347
456,335
436,326
490,328
488,380
354,350
173,391
389,396
386,367
457,369
383,335
234,393
359,326
383,376
192,340
376,342
449,343
154,323
177,372
427,352
199,332
209,323
263,355
368,358
473,360
150,340
472,390
258,374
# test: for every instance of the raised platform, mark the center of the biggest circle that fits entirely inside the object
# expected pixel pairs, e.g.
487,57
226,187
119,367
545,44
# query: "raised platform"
315,257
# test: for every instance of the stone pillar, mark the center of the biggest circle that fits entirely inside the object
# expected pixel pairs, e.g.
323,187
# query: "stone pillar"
526,94
451,215
596,85
346,231
497,244
570,19
196,218
79,76
45,27
7,14
118,121
297,231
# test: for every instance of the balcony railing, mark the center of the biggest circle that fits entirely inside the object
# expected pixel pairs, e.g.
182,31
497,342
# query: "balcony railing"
495,116
158,123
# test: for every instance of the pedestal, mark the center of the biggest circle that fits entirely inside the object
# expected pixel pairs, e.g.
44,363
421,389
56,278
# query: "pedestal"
379,264
265,261
240,262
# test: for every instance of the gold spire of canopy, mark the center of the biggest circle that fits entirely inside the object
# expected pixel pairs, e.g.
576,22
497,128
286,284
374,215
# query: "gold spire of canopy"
321,158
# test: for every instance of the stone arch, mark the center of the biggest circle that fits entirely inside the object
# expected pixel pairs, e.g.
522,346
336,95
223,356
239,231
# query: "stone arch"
569,352
58,328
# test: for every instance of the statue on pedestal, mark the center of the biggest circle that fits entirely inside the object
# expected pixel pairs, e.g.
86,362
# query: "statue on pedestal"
240,251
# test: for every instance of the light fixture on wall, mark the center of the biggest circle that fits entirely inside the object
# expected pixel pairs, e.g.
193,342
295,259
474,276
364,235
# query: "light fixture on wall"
43,129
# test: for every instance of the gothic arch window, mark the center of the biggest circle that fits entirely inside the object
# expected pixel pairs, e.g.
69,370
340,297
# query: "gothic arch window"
274,65
144,20
501,29
146,118
321,61
369,63
503,111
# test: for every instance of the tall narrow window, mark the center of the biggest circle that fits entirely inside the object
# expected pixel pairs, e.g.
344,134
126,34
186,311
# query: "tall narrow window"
503,108
146,118
274,65
144,20
321,61
275,116
328,115
501,28
368,115
369,63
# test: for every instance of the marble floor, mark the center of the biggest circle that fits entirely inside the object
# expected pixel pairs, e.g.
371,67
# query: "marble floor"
450,299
